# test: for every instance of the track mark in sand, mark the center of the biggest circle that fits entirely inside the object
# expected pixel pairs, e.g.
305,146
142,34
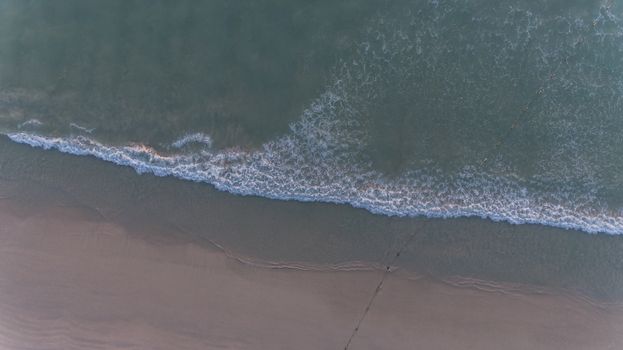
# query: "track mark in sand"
379,286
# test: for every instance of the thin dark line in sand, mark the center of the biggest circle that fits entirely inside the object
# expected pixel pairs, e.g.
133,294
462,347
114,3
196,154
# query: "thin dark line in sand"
277,265
522,289
504,288
379,286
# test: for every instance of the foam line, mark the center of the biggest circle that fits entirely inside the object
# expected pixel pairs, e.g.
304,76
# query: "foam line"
274,172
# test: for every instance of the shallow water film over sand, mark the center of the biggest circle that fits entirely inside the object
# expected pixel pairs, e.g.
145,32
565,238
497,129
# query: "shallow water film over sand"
324,175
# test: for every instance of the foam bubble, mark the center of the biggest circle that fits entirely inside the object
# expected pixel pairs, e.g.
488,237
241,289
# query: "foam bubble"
30,123
192,138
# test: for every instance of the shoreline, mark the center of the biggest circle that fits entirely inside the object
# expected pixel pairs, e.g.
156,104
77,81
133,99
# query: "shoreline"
93,255
70,279
146,160
314,234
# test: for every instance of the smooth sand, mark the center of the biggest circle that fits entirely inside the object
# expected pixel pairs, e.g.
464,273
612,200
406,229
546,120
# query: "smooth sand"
69,280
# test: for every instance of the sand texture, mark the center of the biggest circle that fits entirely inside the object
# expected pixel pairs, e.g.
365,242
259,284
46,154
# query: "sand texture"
70,280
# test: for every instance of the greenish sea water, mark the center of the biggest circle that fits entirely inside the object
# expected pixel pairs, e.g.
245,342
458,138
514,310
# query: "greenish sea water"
505,110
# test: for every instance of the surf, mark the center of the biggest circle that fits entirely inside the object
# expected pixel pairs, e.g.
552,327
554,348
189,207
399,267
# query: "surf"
568,130
281,169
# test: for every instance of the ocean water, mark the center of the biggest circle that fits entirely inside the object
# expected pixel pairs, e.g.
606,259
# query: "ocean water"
506,110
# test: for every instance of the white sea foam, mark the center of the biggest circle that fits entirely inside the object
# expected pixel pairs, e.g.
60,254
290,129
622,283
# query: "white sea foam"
81,128
30,122
193,138
311,164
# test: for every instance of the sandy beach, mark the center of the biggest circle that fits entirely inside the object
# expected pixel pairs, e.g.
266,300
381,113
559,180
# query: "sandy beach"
72,280
94,256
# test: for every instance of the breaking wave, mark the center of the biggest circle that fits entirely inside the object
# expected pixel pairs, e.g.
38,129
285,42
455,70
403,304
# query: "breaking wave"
314,163
323,156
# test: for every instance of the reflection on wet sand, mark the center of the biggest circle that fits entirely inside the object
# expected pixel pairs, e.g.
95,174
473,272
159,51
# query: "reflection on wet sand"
70,279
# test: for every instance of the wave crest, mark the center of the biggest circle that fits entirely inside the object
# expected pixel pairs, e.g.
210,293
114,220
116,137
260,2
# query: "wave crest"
313,163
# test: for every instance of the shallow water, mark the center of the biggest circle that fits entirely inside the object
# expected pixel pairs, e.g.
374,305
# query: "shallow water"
503,110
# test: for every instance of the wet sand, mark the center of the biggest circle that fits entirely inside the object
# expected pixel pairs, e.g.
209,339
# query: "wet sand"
72,280
94,256
270,232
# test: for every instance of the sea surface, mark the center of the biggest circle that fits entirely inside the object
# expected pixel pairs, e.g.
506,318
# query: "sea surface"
505,110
